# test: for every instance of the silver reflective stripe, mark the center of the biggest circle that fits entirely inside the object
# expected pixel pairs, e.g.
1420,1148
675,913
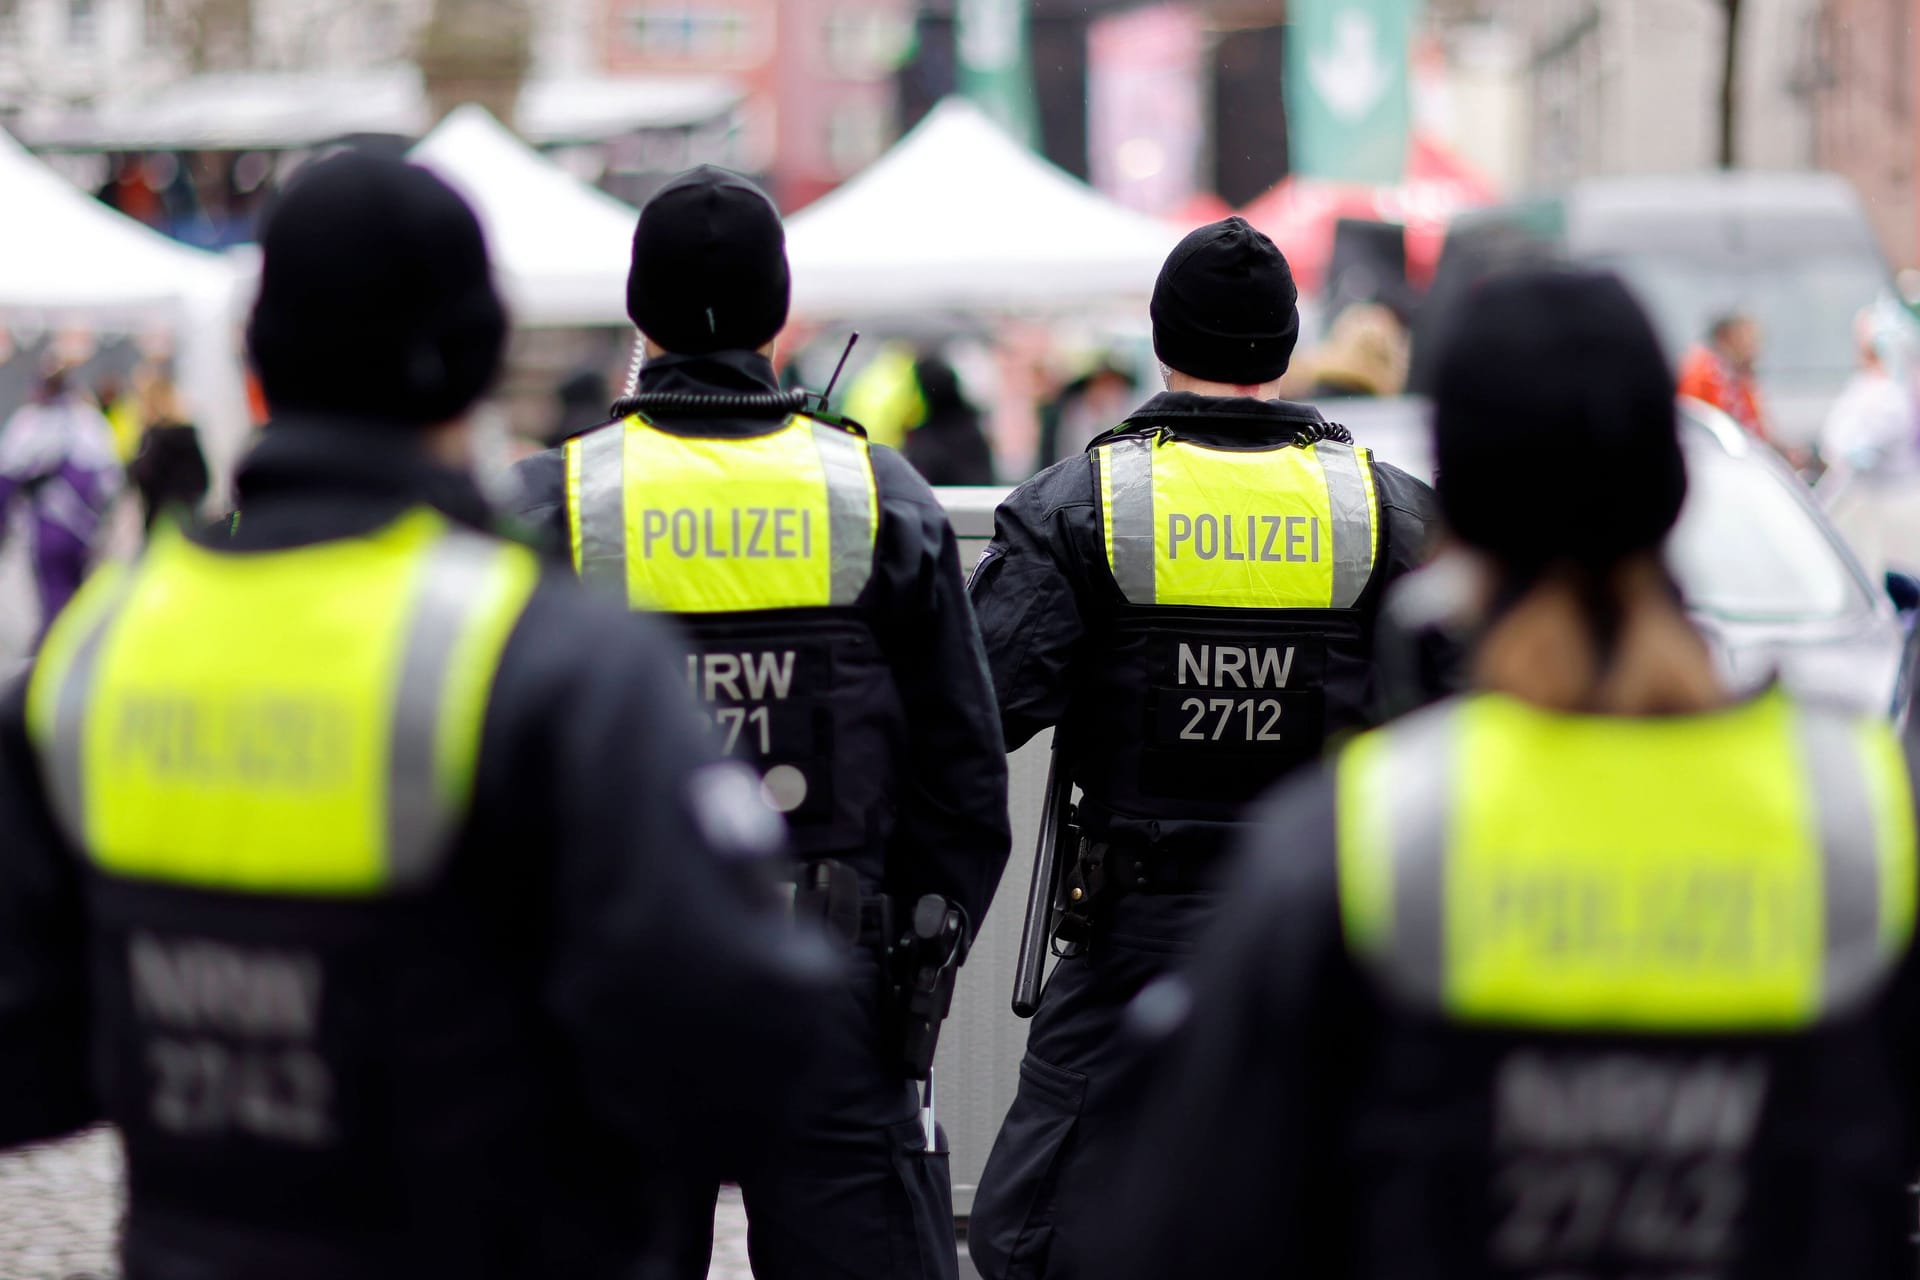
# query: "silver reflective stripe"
454,577
1419,759
603,509
849,511
65,766
1129,465
1352,522
1849,845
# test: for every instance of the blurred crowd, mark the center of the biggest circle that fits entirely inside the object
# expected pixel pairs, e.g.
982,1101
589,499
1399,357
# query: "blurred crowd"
76,449
78,436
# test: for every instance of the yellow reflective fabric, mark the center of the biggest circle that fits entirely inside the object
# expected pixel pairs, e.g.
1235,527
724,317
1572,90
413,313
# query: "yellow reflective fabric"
1365,844
1886,780
1694,873
1597,869
885,397
301,722
1238,528
784,520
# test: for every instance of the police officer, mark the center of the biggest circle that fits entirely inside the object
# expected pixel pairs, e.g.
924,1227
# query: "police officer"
1192,604
818,582
1594,971
378,886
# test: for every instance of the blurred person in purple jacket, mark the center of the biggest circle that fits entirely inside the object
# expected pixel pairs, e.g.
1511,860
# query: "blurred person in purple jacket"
57,455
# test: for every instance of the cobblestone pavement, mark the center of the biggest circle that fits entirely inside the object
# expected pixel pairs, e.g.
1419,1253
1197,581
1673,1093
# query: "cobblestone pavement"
59,1204
58,1207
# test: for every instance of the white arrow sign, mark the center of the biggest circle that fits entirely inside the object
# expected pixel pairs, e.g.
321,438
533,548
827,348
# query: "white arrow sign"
1350,77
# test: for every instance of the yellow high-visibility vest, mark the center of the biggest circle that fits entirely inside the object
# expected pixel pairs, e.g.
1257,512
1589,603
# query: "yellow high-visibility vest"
1284,527
785,520
1751,869
302,722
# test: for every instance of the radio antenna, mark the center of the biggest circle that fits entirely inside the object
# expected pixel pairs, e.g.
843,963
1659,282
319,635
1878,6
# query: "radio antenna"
826,397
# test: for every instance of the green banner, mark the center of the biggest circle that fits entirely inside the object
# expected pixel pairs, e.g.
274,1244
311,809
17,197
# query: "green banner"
996,70
1349,97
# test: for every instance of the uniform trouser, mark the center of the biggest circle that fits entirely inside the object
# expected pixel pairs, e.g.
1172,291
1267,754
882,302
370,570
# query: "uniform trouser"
1042,1188
853,1194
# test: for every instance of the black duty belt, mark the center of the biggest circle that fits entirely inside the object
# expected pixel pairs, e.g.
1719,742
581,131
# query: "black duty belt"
829,891
1103,873
1139,869
1166,872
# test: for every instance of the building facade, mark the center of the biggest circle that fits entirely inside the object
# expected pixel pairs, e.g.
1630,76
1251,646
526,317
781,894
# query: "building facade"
61,53
1868,52
67,50
70,52
819,75
1633,86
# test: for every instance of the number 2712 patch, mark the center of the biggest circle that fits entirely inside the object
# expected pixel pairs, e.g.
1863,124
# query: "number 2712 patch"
1235,721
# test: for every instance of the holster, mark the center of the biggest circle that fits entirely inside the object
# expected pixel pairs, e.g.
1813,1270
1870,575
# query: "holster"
926,962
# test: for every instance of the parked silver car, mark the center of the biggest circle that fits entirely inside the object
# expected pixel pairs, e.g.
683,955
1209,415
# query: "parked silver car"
1766,577
1793,249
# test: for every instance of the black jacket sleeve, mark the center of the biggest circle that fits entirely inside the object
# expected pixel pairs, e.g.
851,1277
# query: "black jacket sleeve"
44,1013
952,835
673,985
1411,514
1414,666
1410,668
1225,1171
537,498
1034,597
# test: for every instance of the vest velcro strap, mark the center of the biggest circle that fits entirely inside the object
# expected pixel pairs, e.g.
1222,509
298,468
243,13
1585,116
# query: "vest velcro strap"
425,800
1126,468
596,485
1356,522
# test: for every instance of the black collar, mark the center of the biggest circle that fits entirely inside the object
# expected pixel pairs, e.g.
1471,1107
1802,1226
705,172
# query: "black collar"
722,371
1219,420
354,465
1175,407
726,394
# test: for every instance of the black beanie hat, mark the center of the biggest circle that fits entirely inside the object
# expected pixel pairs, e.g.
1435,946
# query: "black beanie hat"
376,299
709,266
1225,306
1554,420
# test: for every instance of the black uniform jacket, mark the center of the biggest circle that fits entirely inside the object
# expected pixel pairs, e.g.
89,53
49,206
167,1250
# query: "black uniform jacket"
632,989
950,832
1046,598
1300,1120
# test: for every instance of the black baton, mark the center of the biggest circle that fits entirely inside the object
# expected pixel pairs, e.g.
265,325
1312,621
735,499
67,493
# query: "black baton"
1035,933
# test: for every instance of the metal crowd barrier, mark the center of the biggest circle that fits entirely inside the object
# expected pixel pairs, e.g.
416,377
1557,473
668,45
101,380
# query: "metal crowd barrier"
979,1061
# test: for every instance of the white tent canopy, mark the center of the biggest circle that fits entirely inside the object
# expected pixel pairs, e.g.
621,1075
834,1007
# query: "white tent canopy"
578,108
65,258
560,246
237,109
959,215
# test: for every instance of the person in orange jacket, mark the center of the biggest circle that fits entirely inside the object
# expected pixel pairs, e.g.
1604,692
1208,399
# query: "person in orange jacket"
1720,372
